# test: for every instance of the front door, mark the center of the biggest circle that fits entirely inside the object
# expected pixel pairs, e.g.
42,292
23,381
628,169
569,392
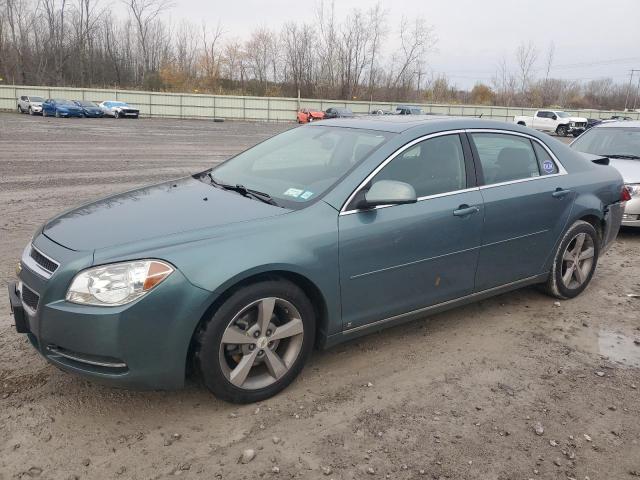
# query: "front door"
400,258
526,207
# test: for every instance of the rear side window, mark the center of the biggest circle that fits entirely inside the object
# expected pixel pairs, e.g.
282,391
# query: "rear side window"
545,162
433,166
505,158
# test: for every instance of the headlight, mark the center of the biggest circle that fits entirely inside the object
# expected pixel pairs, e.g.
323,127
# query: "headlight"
634,189
118,283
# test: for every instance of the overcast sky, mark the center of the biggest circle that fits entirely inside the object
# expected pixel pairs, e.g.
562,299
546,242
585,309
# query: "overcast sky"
593,38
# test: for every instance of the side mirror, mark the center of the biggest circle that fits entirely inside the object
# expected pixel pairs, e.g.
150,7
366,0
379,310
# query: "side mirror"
389,192
555,117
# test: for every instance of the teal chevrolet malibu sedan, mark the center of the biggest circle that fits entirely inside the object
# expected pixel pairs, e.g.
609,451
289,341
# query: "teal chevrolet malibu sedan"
313,237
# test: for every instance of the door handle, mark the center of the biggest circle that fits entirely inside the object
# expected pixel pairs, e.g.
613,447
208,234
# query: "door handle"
464,210
560,193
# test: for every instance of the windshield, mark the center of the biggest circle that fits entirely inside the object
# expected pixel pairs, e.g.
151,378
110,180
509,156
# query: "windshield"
609,141
118,104
36,99
85,103
301,164
562,114
65,102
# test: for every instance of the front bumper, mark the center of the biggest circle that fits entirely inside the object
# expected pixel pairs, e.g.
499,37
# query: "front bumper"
140,345
631,217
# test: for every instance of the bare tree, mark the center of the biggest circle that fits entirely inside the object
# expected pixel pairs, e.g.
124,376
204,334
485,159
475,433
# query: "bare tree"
417,39
145,13
526,56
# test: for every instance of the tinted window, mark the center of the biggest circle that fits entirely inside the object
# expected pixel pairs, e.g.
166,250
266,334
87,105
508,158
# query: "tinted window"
36,99
505,157
545,162
543,115
23,98
431,167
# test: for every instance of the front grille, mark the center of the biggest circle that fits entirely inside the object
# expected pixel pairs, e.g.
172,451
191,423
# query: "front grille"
49,265
30,298
580,124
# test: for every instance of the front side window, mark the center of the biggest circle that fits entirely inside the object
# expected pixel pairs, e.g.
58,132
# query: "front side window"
562,114
505,158
433,166
300,164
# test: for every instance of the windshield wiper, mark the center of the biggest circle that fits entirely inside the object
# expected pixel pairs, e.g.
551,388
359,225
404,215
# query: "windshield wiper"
242,190
622,155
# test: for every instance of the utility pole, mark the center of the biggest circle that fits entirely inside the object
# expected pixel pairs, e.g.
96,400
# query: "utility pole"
626,102
635,98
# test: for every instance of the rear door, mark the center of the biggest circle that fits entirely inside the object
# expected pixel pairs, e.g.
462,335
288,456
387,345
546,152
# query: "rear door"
527,205
400,258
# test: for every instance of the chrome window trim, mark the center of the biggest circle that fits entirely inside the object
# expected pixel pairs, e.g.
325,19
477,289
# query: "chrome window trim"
389,159
32,265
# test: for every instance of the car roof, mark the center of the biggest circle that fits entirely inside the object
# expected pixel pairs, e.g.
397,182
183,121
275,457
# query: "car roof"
402,123
621,123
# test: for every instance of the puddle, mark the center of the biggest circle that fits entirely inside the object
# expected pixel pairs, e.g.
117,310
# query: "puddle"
619,348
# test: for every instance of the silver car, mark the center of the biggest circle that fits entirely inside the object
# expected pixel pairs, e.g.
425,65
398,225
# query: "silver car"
30,104
620,142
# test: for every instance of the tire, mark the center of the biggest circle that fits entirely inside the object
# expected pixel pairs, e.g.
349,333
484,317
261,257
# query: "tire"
44,113
57,113
116,114
20,109
30,111
218,360
557,285
562,131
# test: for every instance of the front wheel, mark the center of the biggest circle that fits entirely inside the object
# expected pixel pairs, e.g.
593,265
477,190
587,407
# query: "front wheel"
562,130
20,109
575,261
116,114
30,111
57,114
257,342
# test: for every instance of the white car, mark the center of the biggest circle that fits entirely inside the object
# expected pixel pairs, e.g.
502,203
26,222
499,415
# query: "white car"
556,121
115,109
30,104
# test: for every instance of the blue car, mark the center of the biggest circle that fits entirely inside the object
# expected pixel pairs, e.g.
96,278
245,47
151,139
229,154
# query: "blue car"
89,109
59,107
313,237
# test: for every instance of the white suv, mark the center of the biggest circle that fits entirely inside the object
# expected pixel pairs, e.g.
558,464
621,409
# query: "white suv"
30,104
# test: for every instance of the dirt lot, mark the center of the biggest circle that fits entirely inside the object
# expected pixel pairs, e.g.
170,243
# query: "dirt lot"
455,396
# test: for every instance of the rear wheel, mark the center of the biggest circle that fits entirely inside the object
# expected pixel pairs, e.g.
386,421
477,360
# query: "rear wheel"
257,342
57,113
575,261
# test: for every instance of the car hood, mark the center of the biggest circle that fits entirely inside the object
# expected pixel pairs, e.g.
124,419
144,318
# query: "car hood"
578,119
151,212
630,169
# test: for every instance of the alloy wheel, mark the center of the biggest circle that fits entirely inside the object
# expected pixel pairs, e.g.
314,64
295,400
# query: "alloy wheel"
261,343
577,261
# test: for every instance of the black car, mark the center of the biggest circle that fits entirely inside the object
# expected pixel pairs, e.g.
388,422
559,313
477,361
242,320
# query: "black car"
89,109
408,110
336,112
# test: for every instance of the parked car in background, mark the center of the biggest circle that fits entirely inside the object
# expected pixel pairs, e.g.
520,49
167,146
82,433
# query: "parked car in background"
89,109
408,110
307,115
30,104
620,118
337,112
620,142
118,109
555,121
592,122
59,107
313,237
379,111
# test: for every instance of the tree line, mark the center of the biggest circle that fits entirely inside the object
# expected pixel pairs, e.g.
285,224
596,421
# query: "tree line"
83,43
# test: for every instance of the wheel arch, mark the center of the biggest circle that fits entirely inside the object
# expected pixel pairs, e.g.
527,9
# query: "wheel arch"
310,289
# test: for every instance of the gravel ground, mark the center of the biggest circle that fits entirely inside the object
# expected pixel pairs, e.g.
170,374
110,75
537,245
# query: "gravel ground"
457,396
